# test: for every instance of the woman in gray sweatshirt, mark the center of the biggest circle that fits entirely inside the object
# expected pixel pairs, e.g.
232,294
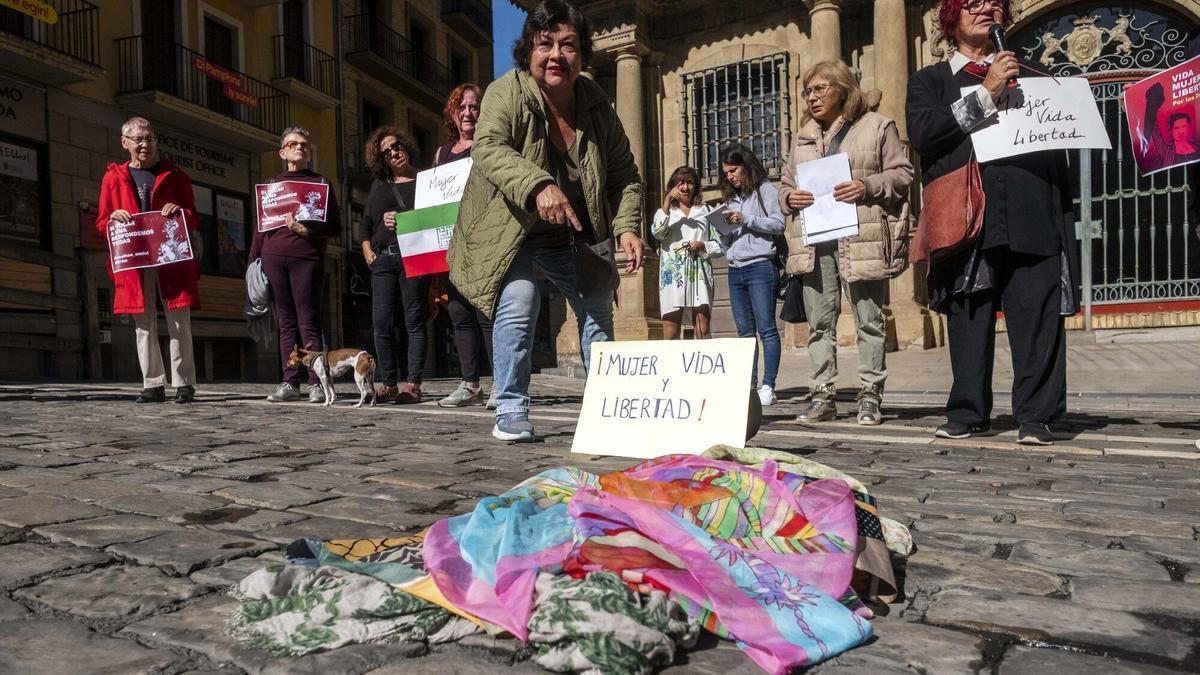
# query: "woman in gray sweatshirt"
753,204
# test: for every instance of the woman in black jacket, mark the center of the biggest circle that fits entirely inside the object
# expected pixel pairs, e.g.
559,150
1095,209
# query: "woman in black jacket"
1023,263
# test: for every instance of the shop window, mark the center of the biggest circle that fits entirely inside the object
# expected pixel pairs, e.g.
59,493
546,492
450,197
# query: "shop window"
225,231
22,193
743,102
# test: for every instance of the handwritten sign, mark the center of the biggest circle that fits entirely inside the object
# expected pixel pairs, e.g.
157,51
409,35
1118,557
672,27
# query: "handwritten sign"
1163,111
1041,113
302,199
648,399
442,184
149,240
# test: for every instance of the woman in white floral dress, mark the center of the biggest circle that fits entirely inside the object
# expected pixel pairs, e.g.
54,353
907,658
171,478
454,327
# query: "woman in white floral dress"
687,246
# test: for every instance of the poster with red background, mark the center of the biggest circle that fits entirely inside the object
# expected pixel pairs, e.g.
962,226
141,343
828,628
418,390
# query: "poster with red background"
304,200
1162,111
149,240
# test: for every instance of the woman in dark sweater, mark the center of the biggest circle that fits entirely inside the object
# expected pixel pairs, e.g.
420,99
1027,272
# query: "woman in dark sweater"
461,114
293,258
1023,263
389,152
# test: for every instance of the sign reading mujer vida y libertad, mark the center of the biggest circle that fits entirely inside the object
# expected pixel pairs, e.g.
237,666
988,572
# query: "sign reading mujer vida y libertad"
1041,113
647,399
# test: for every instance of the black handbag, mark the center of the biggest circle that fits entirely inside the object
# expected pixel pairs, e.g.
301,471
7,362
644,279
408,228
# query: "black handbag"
792,309
595,266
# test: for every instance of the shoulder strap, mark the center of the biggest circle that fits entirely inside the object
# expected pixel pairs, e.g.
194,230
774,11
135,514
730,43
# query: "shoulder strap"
399,197
836,144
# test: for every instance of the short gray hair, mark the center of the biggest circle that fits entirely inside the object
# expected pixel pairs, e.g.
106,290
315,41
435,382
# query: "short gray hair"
134,123
299,131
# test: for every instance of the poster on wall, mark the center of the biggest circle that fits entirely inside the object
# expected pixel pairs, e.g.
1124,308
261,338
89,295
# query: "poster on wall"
231,235
20,202
1162,111
150,239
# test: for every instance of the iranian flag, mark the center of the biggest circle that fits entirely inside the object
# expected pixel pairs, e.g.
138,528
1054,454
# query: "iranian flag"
423,236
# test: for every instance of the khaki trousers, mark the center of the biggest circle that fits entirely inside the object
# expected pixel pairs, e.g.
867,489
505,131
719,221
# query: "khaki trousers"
823,304
179,328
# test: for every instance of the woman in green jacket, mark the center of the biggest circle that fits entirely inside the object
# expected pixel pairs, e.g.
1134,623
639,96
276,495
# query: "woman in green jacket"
553,175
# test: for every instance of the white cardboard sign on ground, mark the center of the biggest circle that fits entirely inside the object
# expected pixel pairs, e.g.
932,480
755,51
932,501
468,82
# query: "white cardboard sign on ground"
1041,113
647,399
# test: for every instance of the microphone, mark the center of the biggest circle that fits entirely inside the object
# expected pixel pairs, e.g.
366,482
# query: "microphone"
1000,42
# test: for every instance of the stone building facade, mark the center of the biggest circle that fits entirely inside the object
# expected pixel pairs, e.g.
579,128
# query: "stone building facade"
686,77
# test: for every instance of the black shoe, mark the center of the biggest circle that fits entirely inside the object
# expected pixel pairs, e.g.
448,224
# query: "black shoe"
185,394
960,430
1034,433
152,395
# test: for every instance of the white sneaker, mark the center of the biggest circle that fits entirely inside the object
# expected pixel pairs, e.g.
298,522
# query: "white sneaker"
767,395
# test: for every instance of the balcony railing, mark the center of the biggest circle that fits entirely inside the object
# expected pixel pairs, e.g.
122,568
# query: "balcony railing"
298,59
478,12
365,34
77,33
153,63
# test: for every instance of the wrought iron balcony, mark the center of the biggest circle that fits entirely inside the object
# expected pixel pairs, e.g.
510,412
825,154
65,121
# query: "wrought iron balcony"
149,64
62,52
371,44
299,60
471,18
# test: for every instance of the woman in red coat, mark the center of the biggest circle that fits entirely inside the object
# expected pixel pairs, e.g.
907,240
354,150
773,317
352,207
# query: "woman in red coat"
148,183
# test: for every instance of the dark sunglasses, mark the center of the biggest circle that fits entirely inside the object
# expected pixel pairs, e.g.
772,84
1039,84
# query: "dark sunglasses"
394,147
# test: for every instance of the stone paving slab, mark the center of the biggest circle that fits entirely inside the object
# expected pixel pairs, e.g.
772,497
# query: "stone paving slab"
39,509
323,528
105,531
57,647
397,517
183,552
90,595
170,505
232,572
1159,598
937,570
25,562
271,495
11,610
1019,660
914,648
95,489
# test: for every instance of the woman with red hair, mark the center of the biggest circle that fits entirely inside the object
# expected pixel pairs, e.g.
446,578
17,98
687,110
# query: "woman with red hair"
461,114
1023,261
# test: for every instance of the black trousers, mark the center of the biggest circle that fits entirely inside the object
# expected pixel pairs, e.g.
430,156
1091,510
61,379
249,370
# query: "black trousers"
389,287
470,325
1027,288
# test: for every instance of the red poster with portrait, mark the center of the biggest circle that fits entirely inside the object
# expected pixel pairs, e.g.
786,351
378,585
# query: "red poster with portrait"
302,199
1162,111
149,240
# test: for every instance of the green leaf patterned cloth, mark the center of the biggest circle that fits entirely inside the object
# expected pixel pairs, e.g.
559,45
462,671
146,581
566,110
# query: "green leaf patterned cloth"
598,625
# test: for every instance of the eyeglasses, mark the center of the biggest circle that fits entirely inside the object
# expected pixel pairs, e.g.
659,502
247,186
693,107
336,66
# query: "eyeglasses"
820,90
292,145
396,147
140,140
977,6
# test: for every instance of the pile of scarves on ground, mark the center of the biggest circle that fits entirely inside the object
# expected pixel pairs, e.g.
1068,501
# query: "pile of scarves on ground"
607,573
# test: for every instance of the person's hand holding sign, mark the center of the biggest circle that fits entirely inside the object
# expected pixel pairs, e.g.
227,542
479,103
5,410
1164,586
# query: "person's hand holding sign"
1003,68
800,199
734,217
121,216
169,209
850,192
298,227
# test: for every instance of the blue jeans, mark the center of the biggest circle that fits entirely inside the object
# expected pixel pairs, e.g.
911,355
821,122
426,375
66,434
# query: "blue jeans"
752,299
517,307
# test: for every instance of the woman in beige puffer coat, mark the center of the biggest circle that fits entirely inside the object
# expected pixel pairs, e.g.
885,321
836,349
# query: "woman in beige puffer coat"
881,176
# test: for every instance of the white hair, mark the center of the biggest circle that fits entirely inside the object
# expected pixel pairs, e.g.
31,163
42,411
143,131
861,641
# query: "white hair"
134,123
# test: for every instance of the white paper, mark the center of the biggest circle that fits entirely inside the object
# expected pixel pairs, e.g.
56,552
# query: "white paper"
442,184
647,399
827,219
1041,114
719,219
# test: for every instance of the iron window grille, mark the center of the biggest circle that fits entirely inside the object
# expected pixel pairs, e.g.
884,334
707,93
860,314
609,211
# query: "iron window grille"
747,102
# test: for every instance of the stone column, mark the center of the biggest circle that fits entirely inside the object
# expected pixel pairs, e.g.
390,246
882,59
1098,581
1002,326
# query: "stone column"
826,25
629,103
891,59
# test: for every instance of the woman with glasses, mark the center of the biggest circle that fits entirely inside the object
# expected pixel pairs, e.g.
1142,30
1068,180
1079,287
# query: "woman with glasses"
752,204
389,152
839,122
1023,263
461,114
293,260
553,177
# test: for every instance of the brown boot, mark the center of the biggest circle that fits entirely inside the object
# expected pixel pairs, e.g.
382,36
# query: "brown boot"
386,393
411,393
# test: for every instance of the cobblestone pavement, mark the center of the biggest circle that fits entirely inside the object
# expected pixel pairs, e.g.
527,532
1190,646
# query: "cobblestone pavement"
120,526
